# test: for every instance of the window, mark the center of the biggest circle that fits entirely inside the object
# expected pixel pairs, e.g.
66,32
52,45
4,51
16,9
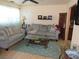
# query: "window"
9,16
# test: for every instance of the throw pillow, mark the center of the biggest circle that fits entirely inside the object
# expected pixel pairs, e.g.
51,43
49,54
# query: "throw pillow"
53,29
29,28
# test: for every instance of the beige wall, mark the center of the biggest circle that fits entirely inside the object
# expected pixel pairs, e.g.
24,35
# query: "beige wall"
75,37
32,12
73,2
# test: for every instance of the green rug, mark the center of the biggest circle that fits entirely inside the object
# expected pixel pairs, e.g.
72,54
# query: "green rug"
52,50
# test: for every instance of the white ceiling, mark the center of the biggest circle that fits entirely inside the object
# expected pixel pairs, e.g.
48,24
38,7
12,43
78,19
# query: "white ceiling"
42,2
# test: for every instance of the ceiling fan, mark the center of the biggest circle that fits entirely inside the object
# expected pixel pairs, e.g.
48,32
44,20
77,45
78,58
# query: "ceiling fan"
31,1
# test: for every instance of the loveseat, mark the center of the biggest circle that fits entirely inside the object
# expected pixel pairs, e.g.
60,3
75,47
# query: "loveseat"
10,35
47,31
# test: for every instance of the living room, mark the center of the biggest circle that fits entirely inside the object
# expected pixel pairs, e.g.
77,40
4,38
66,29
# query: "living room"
41,20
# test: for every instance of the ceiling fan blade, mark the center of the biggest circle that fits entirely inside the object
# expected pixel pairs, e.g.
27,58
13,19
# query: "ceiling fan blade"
34,1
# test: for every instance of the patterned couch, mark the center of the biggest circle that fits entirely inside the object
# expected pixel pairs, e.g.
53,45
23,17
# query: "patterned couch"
47,31
9,36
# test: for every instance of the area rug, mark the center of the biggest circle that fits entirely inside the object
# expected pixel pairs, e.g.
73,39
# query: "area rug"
52,51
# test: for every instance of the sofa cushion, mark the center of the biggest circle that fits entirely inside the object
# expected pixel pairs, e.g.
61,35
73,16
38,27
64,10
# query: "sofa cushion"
2,35
43,28
11,32
6,30
16,30
35,26
49,27
53,29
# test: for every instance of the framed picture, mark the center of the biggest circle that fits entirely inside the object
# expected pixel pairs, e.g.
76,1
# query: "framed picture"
49,17
44,17
39,17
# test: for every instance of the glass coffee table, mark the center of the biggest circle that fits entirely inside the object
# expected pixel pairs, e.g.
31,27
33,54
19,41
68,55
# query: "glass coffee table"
38,40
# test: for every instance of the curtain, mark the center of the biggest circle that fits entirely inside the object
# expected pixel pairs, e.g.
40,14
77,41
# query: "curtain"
9,16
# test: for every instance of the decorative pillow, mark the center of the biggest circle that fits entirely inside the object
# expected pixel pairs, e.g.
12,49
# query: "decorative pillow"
52,29
29,28
49,27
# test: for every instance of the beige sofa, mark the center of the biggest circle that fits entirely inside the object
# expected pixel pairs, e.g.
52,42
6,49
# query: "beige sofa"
44,31
10,35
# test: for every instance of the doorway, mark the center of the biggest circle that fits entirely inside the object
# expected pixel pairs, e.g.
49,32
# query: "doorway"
71,22
62,25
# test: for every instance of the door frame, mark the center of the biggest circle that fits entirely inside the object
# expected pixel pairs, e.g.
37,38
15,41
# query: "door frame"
65,13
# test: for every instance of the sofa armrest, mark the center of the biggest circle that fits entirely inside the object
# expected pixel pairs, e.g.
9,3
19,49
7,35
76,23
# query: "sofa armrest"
3,35
32,32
